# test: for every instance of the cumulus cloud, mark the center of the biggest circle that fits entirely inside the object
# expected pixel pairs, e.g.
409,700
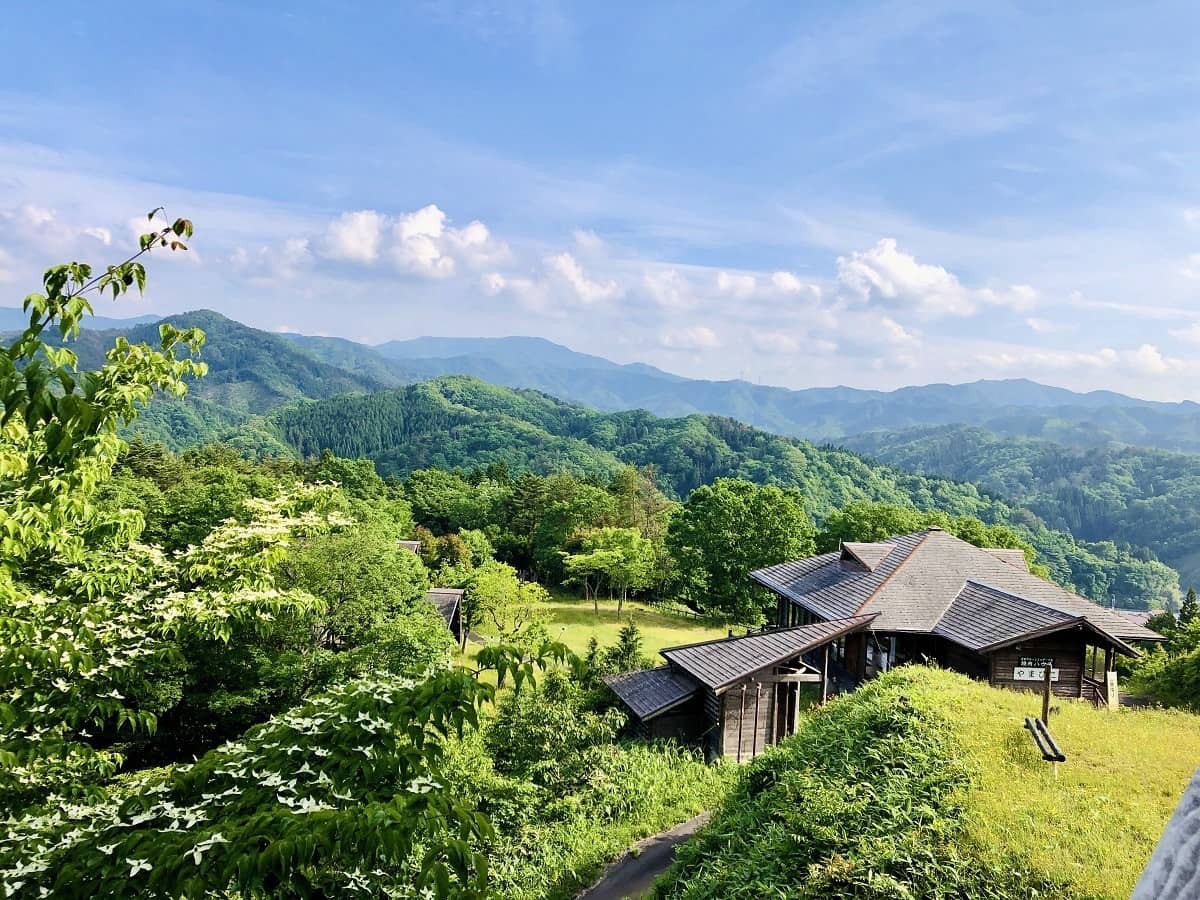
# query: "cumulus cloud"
788,283
564,268
669,289
696,337
268,263
737,286
354,236
421,242
889,277
774,342
1191,267
43,226
587,241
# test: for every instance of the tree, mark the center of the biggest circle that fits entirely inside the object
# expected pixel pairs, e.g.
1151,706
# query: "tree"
725,531
333,798
621,556
1190,609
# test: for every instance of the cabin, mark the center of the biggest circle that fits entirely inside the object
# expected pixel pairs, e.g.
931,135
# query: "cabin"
936,598
449,603
447,600
846,616
736,696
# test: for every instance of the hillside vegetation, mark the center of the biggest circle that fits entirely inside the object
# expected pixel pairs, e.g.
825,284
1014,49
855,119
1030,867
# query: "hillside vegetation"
1127,494
462,422
935,790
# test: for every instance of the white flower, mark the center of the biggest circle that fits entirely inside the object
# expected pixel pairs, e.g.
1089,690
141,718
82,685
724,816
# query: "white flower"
138,865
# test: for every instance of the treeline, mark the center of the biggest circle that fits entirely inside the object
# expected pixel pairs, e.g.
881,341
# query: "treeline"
459,423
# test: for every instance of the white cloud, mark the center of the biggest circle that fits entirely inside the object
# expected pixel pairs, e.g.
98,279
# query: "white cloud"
697,337
669,289
893,332
355,236
564,268
1191,267
787,283
421,242
889,277
1145,359
587,241
103,235
271,263
740,287
6,272
1192,215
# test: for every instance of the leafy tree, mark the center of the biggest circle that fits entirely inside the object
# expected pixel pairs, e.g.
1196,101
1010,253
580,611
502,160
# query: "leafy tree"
500,604
621,556
725,531
329,799
1190,609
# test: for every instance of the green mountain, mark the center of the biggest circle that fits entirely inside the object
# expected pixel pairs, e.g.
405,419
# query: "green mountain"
1129,494
13,318
1014,407
458,421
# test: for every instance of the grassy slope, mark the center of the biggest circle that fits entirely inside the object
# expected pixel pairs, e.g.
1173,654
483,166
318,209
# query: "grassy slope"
808,820
1097,823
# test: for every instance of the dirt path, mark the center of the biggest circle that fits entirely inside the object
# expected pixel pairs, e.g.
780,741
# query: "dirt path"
633,874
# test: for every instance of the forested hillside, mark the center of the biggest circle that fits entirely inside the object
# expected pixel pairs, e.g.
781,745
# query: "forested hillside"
1128,494
458,422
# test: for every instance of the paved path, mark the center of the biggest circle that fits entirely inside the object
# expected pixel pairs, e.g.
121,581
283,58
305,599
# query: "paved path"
634,873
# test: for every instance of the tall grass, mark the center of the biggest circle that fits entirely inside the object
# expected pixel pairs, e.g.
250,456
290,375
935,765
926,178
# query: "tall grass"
864,801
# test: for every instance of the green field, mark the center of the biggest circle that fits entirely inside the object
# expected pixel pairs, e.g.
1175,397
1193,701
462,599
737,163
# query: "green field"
575,622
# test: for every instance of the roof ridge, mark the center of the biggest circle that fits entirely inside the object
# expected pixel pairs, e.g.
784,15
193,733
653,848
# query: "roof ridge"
899,565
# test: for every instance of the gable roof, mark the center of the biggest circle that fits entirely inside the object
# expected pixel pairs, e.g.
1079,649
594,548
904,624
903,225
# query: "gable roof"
651,692
447,601
1010,556
720,663
912,588
870,555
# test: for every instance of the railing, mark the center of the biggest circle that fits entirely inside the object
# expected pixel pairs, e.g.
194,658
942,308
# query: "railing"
1094,692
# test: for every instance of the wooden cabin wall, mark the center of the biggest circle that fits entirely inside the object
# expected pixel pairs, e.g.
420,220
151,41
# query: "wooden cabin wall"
1067,651
685,724
738,720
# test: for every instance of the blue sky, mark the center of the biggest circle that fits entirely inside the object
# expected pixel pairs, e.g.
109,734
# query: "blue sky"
798,194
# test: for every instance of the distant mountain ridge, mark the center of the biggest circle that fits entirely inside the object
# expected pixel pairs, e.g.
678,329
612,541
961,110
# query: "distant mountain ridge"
1016,408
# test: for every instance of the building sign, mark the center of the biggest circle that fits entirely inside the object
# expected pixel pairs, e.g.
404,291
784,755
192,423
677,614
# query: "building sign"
1033,668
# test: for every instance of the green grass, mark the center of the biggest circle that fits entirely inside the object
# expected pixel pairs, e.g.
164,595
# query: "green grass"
925,783
574,622
1096,824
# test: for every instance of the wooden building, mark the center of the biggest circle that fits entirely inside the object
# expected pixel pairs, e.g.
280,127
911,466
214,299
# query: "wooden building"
449,604
738,695
939,599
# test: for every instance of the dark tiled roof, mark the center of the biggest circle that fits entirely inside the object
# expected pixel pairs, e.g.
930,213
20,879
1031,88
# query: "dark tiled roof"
981,616
1012,557
446,600
870,555
1140,616
648,692
718,664
913,587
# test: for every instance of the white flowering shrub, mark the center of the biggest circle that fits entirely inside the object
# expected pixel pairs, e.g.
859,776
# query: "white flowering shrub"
339,797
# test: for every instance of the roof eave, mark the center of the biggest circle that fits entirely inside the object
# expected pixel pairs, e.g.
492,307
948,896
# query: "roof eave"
1065,625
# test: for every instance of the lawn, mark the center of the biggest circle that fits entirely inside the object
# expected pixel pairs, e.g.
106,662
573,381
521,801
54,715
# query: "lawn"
1096,823
575,622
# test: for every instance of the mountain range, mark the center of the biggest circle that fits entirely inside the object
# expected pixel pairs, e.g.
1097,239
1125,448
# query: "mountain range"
1079,462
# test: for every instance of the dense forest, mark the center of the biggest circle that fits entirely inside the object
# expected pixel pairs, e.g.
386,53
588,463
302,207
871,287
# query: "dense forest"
1126,494
1124,508
456,422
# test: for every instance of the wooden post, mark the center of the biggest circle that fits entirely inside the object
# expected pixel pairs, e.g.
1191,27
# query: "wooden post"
825,677
754,734
1046,697
741,719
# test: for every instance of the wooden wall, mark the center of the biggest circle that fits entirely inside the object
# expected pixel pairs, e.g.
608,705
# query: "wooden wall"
738,719
1067,651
